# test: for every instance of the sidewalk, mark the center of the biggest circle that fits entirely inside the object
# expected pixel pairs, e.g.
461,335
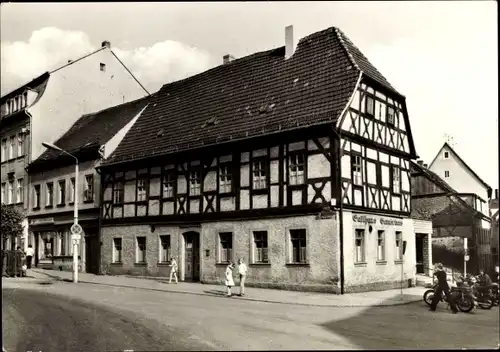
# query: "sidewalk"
365,299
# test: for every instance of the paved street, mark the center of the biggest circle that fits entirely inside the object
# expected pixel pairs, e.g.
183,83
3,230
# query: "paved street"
82,317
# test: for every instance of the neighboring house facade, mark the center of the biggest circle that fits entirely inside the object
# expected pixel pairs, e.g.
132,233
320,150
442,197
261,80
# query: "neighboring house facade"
45,108
297,161
451,168
494,209
453,219
92,137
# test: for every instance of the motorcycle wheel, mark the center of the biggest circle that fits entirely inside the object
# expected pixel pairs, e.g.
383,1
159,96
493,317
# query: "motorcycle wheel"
485,303
428,296
465,304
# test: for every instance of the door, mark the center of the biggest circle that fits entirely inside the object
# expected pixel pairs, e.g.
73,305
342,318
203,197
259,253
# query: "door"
419,251
192,256
92,254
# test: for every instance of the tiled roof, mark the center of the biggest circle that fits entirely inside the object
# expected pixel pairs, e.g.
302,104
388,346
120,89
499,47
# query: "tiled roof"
93,130
256,95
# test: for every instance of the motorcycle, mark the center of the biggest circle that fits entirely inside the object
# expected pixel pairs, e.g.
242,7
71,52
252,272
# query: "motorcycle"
484,295
462,294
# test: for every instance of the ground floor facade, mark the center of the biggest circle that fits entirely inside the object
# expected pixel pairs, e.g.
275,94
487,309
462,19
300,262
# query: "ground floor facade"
50,237
296,252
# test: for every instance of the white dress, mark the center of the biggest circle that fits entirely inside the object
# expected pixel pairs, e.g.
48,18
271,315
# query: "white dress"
229,277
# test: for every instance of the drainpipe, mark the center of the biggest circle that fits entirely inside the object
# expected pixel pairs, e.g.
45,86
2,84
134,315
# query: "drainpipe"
341,215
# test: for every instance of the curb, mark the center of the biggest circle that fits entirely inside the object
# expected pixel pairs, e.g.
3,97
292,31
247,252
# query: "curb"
57,278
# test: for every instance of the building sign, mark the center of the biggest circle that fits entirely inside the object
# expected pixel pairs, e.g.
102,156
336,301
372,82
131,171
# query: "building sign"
373,220
41,221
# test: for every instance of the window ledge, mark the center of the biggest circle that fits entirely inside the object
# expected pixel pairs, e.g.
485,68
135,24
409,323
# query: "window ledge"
61,205
140,264
48,207
381,262
399,261
36,208
71,203
116,264
259,264
297,264
163,264
361,264
88,201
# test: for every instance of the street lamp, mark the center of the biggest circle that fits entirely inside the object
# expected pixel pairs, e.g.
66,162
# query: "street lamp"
76,228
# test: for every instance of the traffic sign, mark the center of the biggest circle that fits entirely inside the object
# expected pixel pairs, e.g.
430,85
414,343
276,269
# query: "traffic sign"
76,237
76,229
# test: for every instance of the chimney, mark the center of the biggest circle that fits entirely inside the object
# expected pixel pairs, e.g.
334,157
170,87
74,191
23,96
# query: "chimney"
289,47
70,61
106,44
420,162
496,193
227,58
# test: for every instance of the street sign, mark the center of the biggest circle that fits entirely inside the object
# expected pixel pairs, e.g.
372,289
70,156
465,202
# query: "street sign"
76,237
76,229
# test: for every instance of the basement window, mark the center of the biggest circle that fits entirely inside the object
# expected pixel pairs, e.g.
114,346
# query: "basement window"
102,67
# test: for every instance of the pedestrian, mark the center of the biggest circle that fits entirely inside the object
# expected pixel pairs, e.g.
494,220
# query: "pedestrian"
173,270
442,286
229,278
29,255
242,271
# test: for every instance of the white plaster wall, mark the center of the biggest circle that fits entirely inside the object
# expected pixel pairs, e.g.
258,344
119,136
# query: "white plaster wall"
78,89
113,143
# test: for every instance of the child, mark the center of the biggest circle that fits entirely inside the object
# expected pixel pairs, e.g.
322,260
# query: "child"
173,270
229,278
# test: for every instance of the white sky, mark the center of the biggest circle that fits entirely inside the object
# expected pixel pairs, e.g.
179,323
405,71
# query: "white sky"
442,56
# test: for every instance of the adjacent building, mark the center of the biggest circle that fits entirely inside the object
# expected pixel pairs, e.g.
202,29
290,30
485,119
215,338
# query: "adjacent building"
453,219
494,209
297,161
92,138
43,109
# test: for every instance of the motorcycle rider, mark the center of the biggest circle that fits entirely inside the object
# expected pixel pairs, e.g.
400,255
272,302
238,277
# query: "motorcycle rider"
484,282
442,286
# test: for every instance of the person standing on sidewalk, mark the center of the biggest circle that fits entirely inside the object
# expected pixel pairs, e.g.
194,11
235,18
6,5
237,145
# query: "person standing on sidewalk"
242,271
29,255
173,270
229,278
442,287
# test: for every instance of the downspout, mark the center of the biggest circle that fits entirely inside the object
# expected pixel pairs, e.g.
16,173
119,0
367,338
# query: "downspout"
339,177
99,221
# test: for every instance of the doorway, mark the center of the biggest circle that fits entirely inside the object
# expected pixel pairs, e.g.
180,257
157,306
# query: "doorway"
419,251
92,247
192,256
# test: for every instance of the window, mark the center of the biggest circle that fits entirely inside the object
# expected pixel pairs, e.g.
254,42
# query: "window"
142,190
25,99
399,245
20,145
194,183
36,196
225,179
259,174
102,67
140,254
260,249
3,192
446,155
168,184
62,192
50,194
360,246
390,116
226,247
357,176
164,248
396,179
4,150
20,191
10,196
298,244
370,106
118,193
88,193
380,246
72,194
296,174
117,250
446,173
12,147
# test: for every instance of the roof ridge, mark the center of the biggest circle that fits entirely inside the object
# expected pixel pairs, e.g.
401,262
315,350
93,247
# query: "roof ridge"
79,59
340,37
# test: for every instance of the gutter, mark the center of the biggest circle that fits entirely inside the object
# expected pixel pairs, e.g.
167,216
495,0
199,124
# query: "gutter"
338,132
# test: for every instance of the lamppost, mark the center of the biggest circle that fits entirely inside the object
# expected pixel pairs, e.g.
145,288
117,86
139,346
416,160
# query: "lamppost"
76,229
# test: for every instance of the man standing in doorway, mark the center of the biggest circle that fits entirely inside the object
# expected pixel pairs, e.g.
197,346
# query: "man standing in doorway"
442,286
29,255
242,271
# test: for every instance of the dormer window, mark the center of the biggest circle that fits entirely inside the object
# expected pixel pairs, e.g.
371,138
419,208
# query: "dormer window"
446,155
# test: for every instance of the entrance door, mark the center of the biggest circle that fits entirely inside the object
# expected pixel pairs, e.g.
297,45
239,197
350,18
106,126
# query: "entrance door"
192,256
92,254
419,250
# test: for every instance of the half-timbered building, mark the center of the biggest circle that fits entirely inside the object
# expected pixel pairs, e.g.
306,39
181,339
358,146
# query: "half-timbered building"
295,160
